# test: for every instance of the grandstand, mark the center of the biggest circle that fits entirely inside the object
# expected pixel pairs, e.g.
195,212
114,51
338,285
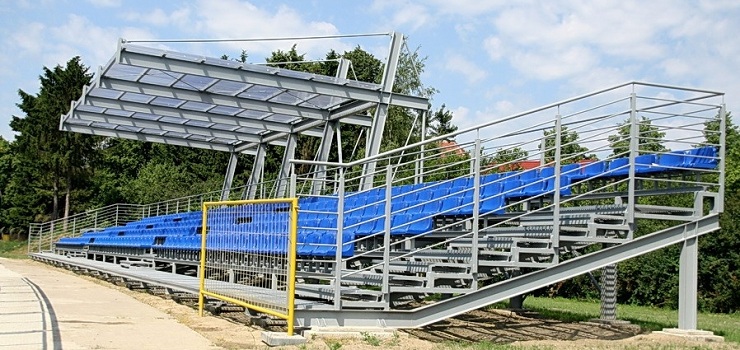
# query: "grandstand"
401,238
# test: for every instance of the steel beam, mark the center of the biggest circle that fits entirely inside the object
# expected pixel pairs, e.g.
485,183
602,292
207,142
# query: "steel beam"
229,176
381,112
259,75
211,98
284,177
168,125
232,120
319,176
254,177
90,129
519,285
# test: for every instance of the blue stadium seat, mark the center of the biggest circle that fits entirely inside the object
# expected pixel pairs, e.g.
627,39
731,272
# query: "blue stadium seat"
512,188
491,199
701,158
402,225
671,161
590,170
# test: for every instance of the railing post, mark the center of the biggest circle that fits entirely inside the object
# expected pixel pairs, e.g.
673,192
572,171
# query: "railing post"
476,214
292,191
720,205
387,237
338,256
556,196
30,231
634,149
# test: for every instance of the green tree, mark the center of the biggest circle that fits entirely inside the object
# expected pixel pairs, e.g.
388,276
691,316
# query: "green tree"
570,150
650,138
507,159
440,123
49,163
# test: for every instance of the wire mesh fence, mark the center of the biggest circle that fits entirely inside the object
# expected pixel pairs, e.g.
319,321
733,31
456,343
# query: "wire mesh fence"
248,255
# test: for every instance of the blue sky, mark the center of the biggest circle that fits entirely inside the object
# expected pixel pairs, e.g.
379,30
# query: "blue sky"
488,59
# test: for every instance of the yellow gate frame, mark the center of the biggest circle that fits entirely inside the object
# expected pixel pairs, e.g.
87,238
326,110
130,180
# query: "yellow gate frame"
292,238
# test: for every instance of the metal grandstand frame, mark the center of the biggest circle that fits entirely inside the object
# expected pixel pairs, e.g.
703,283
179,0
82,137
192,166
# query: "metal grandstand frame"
158,96
154,95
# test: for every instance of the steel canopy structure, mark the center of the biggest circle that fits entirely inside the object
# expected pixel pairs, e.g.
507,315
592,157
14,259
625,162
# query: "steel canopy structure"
154,95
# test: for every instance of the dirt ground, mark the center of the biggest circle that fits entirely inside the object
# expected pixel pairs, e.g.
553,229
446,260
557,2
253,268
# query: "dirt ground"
496,326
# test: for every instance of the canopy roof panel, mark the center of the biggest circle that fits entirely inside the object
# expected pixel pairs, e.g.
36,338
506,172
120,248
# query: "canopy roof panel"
154,95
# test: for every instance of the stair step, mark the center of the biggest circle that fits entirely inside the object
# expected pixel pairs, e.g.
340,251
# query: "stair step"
608,227
608,217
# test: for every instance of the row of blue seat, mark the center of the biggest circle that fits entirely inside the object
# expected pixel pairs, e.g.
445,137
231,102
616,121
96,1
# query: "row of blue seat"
114,231
311,242
412,207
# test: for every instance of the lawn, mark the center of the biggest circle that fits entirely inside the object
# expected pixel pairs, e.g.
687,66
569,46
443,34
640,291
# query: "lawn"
649,318
13,249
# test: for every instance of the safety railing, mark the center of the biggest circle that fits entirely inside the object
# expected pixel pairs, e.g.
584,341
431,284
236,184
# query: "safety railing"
632,131
42,236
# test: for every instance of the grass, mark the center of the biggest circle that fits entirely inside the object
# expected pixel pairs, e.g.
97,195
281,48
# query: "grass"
370,339
648,318
13,249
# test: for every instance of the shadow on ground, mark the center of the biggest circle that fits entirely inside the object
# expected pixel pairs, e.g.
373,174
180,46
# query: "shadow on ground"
502,326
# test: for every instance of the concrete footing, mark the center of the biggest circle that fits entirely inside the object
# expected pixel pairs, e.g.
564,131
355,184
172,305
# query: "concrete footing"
615,323
691,334
281,339
348,332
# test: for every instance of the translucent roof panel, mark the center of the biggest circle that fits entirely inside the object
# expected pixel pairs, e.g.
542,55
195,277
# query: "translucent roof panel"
193,100
158,77
230,88
259,92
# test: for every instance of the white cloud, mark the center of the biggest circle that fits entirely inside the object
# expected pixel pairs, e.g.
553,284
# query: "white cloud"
77,36
468,7
105,3
30,38
158,17
559,64
404,15
459,64
494,47
241,19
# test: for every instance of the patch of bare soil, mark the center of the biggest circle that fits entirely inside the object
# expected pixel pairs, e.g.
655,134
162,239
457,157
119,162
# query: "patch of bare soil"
501,326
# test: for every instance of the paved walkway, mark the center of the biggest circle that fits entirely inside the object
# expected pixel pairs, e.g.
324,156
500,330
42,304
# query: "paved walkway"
26,322
43,308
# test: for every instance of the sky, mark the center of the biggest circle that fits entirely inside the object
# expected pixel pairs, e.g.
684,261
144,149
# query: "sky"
487,58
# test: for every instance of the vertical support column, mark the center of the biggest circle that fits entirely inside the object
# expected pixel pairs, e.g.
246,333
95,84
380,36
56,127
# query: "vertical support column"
254,178
229,176
420,161
330,128
284,176
634,150
381,112
608,293
687,281
387,238
476,214
338,267
720,204
555,238
319,176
